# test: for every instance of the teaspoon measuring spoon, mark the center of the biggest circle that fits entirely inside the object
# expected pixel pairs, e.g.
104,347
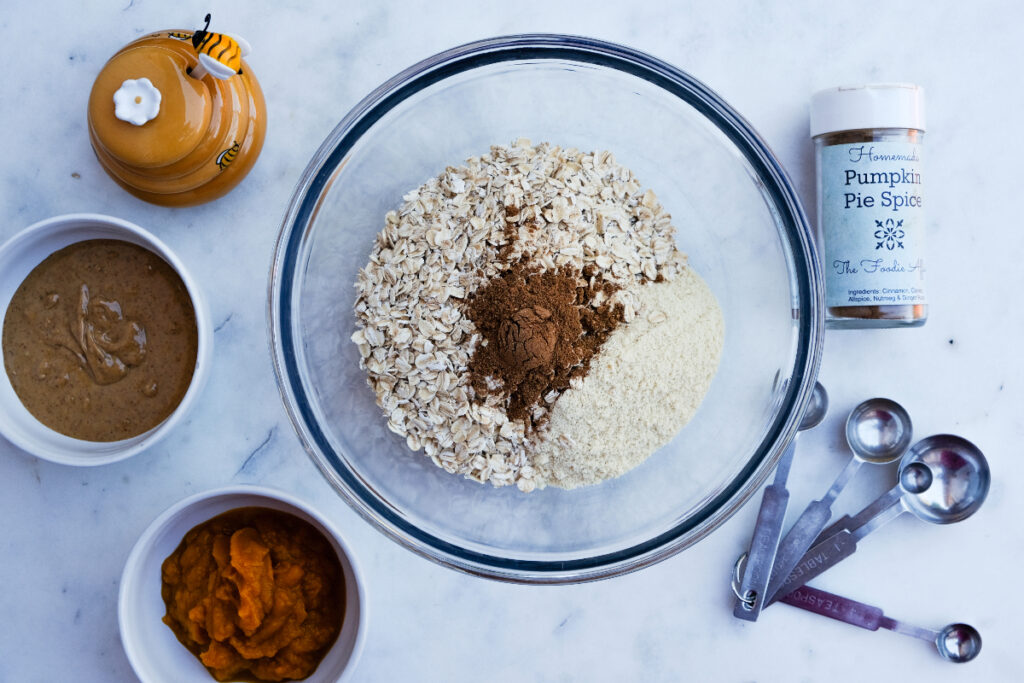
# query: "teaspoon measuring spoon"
956,642
943,479
878,431
768,529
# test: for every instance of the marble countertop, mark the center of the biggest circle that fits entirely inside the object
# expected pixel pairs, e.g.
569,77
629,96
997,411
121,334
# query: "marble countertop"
66,531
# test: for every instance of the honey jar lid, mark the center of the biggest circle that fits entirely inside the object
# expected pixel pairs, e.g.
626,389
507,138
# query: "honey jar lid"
862,107
145,110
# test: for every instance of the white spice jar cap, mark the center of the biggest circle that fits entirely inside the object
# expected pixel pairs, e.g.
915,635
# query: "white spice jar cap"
875,105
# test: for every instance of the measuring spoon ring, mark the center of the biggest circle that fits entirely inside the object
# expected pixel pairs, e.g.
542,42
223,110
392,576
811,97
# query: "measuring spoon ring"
751,594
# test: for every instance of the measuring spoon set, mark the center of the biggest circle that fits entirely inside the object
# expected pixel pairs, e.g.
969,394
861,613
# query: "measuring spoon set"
942,479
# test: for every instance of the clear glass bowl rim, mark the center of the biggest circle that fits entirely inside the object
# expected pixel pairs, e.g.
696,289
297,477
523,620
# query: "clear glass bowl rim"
805,268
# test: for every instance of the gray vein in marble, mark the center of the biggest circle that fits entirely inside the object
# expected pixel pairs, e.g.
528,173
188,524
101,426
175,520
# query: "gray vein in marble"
223,322
256,451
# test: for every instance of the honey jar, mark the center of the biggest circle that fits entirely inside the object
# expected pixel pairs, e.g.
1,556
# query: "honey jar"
177,117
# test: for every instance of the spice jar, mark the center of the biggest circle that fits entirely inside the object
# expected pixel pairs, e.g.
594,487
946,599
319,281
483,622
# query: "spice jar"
867,142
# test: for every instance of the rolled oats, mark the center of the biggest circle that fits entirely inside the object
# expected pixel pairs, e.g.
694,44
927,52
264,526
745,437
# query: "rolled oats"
556,207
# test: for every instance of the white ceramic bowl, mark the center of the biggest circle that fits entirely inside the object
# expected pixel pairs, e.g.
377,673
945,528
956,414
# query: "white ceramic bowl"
18,257
154,651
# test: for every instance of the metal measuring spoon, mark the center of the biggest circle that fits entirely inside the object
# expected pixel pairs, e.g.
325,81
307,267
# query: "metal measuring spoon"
765,540
938,511
878,431
956,642
943,479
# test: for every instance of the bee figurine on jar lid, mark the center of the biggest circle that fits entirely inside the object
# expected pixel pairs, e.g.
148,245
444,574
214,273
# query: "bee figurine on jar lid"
177,118
219,54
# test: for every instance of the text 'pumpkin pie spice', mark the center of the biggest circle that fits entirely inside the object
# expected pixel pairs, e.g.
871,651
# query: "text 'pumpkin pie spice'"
540,329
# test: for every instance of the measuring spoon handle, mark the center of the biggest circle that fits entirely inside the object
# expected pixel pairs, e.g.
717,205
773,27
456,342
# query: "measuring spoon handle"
800,537
831,552
835,607
763,545
853,612
880,504
841,524
818,559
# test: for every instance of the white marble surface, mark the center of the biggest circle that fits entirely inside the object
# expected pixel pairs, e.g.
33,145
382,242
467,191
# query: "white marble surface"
67,531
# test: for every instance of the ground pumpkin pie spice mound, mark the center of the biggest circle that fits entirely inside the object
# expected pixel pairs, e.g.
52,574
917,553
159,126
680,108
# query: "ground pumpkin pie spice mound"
534,341
491,293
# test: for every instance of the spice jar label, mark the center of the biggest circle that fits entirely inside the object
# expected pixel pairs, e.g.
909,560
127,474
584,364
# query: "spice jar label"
873,216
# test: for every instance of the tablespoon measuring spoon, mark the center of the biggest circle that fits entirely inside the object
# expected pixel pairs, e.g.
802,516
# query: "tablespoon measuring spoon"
765,540
955,642
943,479
877,431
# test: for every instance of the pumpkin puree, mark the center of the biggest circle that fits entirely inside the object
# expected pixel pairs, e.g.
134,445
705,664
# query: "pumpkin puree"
255,594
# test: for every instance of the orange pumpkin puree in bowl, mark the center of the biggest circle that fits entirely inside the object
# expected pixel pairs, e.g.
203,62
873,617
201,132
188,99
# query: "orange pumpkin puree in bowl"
255,594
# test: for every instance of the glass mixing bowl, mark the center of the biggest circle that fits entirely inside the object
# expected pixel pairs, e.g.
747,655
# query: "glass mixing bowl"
738,219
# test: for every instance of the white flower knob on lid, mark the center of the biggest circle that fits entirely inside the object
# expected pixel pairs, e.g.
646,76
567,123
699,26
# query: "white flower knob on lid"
137,101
